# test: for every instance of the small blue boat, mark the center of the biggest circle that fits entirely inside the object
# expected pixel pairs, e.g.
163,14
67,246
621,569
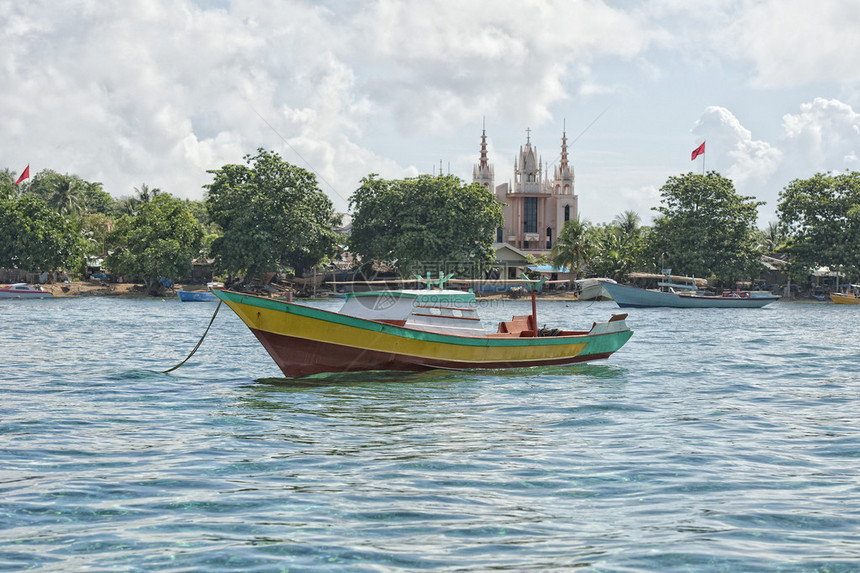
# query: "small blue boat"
196,296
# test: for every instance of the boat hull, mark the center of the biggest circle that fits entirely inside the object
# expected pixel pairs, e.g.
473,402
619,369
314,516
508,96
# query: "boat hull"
196,296
844,298
592,289
22,291
304,340
633,297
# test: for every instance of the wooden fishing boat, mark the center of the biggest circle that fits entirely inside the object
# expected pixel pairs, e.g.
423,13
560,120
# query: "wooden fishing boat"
674,293
23,290
412,330
847,297
592,289
844,298
196,296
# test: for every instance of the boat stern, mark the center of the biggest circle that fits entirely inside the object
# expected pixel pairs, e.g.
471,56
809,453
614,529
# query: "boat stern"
605,338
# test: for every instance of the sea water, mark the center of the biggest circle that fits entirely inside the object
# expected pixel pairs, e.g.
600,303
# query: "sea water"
715,440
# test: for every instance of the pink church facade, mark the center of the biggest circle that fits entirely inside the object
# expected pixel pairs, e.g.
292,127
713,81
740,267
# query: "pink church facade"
535,205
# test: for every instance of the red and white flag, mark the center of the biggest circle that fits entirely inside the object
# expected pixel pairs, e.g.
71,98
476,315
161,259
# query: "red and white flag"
24,175
699,151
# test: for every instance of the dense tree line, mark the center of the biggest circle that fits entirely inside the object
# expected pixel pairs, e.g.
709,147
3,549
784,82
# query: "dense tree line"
703,227
269,216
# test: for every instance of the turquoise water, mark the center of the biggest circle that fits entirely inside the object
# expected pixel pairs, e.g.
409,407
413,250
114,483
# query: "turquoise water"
715,440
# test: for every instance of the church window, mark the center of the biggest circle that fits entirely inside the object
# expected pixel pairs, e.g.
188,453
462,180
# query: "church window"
549,237
530,211
567,212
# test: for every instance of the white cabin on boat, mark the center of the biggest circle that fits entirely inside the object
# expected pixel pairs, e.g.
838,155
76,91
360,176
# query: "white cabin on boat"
444,311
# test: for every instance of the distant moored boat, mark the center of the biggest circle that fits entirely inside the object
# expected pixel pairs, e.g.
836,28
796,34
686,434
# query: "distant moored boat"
23,290
684,294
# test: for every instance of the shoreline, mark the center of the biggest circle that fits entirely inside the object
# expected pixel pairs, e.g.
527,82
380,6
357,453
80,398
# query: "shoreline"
134,290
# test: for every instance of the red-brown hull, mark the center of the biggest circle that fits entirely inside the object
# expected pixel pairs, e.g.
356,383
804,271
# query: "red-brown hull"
301,357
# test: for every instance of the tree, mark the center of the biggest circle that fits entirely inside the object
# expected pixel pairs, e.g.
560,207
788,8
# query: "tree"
424,220
628,224
706,229
69,194
7,185
35,237
618,246
145,194
160,241
95,229
821,217
772,239
65,195
573,248
272,214
95,199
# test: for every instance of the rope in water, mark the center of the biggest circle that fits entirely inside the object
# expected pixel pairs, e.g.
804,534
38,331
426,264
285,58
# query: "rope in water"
199,342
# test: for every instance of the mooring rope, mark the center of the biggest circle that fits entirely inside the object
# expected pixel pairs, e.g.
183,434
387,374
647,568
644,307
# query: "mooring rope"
199,342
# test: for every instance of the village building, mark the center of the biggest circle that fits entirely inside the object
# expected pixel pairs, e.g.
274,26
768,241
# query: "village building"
535,205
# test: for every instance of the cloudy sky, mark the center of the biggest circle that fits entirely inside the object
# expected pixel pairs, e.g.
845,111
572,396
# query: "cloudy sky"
158,91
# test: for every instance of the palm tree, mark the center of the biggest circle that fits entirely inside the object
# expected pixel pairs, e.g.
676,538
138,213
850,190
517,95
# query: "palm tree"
145,194
572,248
772,238
628,224
66,195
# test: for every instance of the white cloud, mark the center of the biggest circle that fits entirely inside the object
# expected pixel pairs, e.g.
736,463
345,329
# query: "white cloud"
160,91
792,42
731,149
826,133
823,136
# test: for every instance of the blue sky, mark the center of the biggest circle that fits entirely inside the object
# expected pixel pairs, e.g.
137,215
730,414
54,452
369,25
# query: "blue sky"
158,92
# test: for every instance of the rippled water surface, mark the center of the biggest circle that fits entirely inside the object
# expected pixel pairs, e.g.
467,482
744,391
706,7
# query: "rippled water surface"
715,440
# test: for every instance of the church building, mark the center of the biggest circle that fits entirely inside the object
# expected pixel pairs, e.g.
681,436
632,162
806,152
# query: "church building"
535,206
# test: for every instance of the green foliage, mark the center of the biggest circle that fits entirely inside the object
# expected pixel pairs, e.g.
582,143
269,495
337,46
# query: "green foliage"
821,218
95,230
424,220
273,216
574,248
618,246
68,194
771,239
160,241
35,237
7,184
95,199
706,229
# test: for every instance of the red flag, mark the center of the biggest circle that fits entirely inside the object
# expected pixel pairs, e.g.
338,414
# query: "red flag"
24,175
698,151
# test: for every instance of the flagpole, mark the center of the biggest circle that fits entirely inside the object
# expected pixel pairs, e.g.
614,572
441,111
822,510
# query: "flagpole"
703,158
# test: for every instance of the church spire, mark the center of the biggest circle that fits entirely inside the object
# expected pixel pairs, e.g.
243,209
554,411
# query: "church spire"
484,146
483,172
564,150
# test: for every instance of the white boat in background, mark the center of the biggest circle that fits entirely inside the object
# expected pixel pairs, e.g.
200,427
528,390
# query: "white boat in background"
592,289
23,290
